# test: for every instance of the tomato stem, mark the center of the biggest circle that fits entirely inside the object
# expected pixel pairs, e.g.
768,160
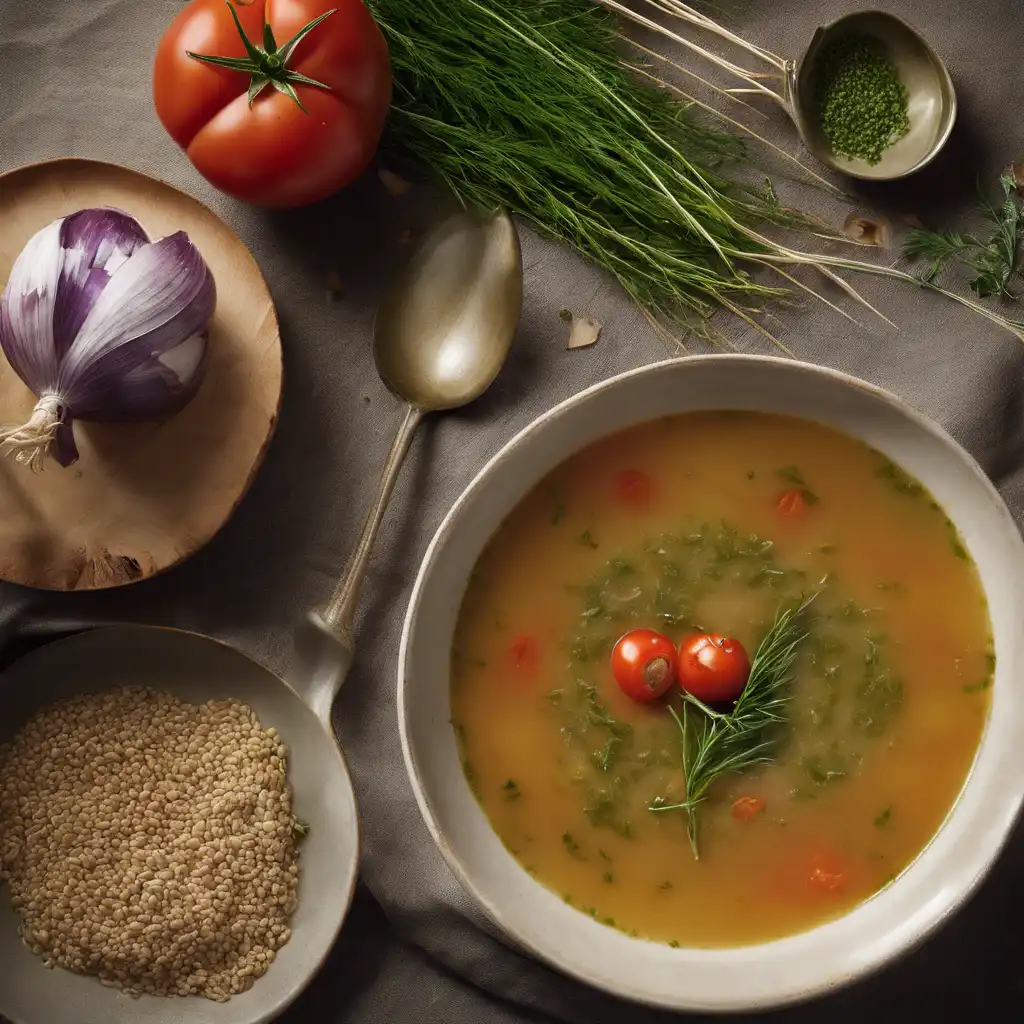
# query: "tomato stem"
268,65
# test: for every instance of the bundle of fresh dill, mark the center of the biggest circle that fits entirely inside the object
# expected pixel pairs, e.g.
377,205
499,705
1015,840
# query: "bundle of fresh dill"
525,103
530,104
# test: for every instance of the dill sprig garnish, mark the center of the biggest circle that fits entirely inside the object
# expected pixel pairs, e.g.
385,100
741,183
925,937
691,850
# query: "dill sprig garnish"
717,744
993,260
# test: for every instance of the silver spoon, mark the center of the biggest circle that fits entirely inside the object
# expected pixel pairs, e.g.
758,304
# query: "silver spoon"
442,334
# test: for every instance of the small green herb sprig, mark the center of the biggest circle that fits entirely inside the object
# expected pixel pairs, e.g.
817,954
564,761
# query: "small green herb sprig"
717,744
994,259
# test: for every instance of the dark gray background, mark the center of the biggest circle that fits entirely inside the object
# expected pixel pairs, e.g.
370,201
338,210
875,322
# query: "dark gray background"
75,80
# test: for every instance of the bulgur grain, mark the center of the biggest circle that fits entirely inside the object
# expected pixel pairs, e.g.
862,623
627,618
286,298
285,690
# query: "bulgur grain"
139,835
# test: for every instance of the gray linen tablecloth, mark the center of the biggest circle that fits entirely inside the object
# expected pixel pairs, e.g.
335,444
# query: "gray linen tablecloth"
75,80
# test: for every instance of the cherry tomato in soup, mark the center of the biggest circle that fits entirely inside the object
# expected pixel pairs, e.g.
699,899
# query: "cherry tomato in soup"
745,808
793,504
712,667
284,148
644,664
524,653
633,489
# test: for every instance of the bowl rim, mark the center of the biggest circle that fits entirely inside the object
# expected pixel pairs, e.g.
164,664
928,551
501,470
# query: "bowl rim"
947,902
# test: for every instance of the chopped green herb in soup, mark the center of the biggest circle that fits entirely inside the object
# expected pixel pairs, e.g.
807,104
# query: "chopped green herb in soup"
720,677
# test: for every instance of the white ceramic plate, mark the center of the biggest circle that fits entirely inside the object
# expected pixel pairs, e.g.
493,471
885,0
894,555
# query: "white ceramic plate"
790,969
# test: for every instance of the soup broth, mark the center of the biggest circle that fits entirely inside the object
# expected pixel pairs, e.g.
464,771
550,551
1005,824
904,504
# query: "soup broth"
685,525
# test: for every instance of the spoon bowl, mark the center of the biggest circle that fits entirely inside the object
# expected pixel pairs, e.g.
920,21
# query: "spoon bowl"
931,98
444,326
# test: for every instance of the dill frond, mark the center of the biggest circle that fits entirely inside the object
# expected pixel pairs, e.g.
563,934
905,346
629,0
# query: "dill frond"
716,744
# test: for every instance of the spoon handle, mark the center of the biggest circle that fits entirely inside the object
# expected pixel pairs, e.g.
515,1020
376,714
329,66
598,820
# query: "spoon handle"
325,643
339,613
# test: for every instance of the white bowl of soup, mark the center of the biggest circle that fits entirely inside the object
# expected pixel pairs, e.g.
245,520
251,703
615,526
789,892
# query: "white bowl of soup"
608,836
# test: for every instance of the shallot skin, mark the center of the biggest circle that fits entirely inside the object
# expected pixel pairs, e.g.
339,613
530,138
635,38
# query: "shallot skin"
103,324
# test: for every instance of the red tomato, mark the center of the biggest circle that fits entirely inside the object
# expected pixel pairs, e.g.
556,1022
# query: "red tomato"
524,652
745,808
274,153
644,664
633,488
792,504
712,667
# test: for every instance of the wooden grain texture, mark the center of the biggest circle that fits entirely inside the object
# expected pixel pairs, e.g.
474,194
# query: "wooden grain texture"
142,497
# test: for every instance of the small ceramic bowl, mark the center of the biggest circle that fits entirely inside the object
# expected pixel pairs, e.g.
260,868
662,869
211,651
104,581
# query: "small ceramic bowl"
931,98
883,928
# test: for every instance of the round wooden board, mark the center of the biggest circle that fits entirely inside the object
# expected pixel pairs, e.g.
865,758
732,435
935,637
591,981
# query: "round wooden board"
142,497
